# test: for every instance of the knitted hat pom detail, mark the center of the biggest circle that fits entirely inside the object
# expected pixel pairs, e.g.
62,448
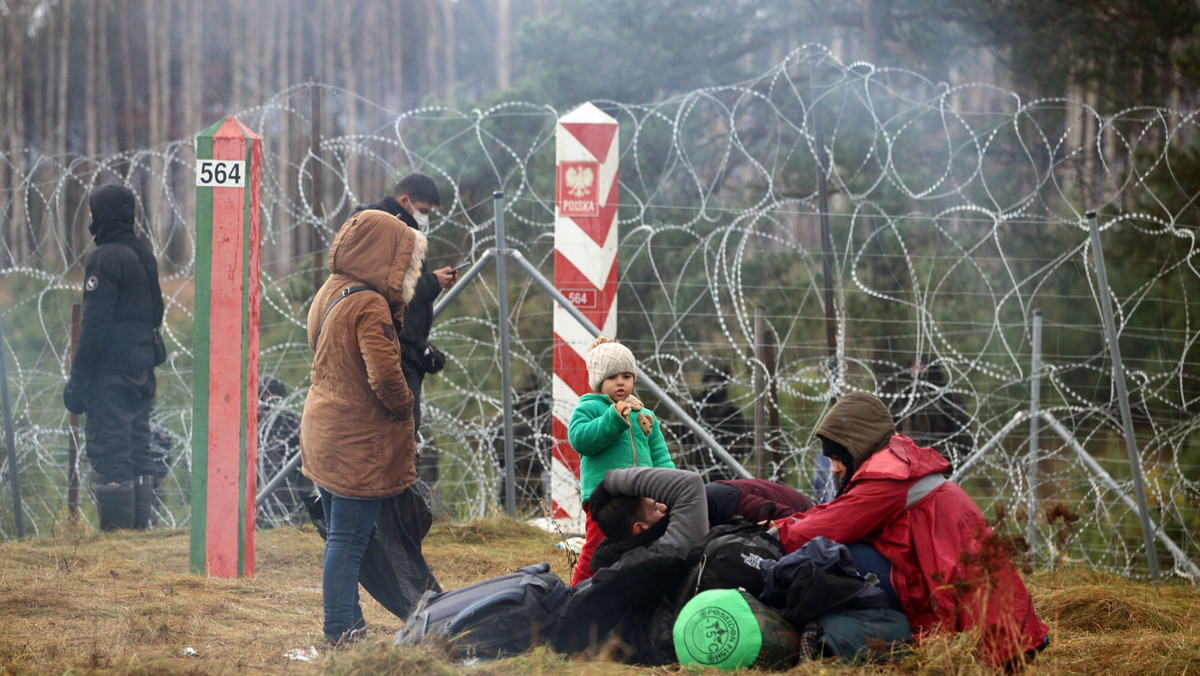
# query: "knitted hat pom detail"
605,359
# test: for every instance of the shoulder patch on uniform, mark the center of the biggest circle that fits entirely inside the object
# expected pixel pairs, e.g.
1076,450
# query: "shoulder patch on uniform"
389,330
91,283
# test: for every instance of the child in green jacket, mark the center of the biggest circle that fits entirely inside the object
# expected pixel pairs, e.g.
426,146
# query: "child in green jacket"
610,429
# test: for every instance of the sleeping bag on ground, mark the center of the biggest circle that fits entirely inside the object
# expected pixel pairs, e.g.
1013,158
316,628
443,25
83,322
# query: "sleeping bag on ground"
730,629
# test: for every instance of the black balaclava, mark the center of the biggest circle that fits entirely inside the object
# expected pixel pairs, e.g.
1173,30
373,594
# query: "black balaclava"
114,210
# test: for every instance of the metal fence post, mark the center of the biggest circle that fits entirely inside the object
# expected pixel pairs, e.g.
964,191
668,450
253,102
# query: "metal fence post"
1118,370
1035,394
13,474
760,395
510,474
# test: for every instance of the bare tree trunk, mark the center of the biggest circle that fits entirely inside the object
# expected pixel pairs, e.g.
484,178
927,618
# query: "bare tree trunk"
247,43
90,85
62,64
192,83
429,20
397,59
268,78
292,242
39,89
127,127
351,82
449,69
22,241
158,54
6,142
189,48
12,138
104,97
503,44
64,61
158,109
871,29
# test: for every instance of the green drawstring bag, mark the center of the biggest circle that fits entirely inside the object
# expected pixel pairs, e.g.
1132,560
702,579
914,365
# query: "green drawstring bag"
730,629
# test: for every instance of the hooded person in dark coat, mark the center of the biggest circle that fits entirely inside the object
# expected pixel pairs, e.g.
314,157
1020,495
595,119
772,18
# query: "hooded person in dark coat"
949,570
411,200
112,373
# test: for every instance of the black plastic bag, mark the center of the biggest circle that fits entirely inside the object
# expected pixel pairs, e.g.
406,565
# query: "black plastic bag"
394,571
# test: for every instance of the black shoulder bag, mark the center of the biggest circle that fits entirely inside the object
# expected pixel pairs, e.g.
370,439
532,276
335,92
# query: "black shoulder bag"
345,292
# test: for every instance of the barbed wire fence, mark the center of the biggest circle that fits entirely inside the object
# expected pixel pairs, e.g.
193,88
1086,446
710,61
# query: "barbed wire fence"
955,213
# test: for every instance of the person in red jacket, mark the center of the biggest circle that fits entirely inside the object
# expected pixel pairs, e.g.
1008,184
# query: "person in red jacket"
949,570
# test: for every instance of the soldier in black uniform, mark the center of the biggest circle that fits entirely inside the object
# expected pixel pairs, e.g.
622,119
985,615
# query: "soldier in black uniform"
112,375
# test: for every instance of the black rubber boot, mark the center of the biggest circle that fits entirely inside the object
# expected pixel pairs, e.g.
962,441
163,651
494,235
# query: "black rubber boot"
115,503
143,501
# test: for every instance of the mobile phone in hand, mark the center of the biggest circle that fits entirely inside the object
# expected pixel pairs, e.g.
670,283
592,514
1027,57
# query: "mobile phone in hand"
460,266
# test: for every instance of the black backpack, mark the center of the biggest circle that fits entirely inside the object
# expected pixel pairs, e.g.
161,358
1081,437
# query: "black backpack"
630,604
730,557
503,615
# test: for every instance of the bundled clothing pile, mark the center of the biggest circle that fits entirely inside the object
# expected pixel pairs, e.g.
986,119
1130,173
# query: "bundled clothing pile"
768,596
649,589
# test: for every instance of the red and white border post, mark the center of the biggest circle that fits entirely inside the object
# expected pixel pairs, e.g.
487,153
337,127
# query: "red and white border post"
225,345
585,272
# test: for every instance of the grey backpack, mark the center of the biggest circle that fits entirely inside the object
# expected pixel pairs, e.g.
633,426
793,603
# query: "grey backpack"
503,615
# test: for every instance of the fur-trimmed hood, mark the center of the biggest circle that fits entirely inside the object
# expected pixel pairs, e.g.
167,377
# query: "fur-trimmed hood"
357,436
374,248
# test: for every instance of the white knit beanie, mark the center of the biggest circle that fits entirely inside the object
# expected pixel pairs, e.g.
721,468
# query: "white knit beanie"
606,359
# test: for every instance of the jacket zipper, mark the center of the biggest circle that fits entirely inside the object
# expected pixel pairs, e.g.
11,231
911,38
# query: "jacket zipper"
632,446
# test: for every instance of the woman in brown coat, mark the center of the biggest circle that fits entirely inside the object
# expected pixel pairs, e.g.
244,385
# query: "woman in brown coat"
356,436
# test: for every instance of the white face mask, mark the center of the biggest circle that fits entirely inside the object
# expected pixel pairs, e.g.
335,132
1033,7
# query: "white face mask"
421,219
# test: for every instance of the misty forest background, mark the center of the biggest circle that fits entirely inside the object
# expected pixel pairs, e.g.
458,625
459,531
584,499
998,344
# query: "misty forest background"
101,78
107,76
87,86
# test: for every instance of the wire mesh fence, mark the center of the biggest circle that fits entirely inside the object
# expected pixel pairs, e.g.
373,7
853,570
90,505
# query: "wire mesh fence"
954,214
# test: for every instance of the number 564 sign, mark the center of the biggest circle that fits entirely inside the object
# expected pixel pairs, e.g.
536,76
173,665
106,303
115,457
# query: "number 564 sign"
220,174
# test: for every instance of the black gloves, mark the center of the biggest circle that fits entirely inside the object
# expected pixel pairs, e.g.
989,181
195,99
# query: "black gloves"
433,360
75,396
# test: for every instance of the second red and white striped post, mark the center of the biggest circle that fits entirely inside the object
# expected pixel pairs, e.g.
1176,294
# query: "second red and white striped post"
585,272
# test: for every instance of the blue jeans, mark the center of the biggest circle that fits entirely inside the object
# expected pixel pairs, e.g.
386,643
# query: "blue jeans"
867,559
348,524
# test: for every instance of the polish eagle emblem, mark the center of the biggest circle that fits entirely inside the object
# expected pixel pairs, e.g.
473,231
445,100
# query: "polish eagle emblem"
579,179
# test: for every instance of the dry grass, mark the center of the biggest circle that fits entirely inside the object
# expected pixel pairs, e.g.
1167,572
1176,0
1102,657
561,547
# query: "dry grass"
83,602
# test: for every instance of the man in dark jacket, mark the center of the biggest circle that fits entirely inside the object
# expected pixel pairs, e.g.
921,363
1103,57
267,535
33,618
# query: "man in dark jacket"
411,201
651,517
112,374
